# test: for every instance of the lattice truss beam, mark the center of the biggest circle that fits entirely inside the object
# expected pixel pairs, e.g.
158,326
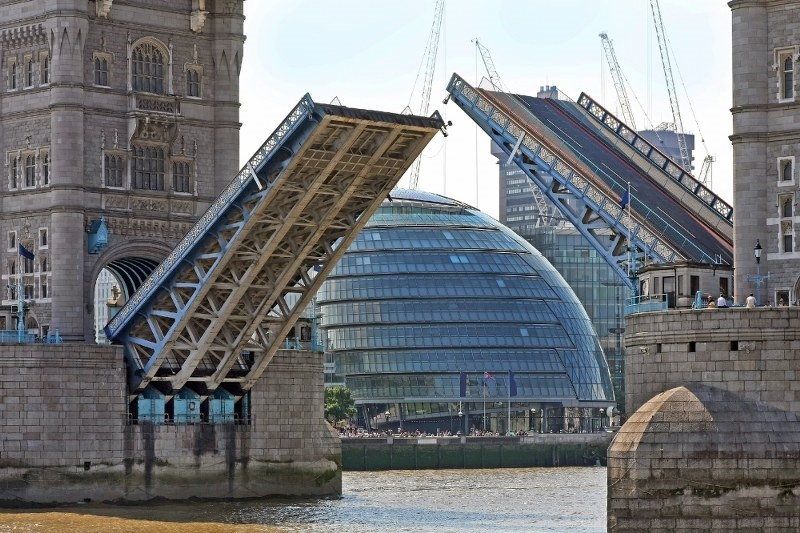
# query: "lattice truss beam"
594,211
221,316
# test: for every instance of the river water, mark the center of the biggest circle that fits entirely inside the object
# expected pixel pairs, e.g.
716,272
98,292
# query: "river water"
521,499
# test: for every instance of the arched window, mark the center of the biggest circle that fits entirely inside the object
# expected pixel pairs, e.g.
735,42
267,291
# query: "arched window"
181,173
148,168
29,73
14,170
46,168
148,69
788,77
30,171
114,171
45,66
193,83
12,76
786,207
101,71
786,170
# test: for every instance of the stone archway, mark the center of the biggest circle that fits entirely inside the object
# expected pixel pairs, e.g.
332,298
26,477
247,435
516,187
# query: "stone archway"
117,274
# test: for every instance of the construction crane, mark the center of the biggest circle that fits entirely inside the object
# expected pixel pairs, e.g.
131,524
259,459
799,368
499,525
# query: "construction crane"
486,56
619,81
429,61
546,213
673,94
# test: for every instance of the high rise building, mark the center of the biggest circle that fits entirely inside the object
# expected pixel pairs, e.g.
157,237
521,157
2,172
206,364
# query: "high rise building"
765,149
120,125
666,140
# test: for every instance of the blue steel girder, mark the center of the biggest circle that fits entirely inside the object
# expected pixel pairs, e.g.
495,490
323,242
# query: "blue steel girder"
592,211
672,170
221,309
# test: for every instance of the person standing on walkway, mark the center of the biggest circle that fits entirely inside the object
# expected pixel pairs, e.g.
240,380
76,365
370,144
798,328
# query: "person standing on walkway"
750,303
721,301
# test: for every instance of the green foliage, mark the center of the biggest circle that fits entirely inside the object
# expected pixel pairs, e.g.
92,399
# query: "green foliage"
339,404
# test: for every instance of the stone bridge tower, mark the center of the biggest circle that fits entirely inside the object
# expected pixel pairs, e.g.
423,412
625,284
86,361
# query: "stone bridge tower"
120,112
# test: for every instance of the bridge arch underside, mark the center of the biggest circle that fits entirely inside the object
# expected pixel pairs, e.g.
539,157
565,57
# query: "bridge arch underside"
131,272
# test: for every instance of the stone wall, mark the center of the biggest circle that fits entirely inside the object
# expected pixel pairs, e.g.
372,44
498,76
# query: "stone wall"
752,352
64,434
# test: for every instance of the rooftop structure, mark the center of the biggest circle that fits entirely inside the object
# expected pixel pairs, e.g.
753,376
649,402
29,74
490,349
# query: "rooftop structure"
433,288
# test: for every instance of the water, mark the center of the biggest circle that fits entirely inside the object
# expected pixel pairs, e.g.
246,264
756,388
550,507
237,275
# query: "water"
523,499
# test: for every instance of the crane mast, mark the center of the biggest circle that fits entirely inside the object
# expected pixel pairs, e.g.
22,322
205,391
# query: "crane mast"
619,82
431,51
673,94
545,210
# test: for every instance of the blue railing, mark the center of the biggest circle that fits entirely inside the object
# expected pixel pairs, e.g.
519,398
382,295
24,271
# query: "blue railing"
16,337
646,304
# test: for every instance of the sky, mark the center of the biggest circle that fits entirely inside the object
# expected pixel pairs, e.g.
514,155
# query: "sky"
368,53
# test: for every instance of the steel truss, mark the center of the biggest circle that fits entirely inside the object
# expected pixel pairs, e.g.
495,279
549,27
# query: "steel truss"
592,210
217,309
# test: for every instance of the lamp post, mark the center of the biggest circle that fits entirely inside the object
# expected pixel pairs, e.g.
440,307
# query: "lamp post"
758,279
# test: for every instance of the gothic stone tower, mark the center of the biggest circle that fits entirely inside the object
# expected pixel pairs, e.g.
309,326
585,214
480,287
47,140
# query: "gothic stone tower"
766,145
122,110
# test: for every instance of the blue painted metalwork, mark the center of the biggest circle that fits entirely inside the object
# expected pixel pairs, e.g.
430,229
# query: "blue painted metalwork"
672,170
15,337
98,235
591,207
221,407
150,406
274,232
186,407
646,304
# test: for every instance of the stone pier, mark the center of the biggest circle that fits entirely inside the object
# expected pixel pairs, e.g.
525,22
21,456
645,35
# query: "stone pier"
65,436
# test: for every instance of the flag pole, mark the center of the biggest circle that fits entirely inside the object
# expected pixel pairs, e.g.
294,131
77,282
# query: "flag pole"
484,403
20,301
508,428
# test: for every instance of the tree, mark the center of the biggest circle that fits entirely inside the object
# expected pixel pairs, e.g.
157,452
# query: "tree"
339,403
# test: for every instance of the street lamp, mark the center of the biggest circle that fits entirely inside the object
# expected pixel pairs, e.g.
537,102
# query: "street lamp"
758,279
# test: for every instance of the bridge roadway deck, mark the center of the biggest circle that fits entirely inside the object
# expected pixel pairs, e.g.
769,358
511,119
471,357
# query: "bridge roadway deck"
612,168
218,308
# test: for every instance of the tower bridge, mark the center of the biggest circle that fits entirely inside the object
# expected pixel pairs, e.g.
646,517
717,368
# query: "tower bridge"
584,159
217,309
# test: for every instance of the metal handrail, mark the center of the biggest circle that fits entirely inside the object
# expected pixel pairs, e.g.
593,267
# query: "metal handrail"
210,217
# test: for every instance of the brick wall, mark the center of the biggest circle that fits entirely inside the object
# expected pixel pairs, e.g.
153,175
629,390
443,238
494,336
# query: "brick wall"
64,437
752,352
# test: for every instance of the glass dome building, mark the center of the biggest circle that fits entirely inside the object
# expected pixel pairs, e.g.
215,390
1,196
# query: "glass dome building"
438,312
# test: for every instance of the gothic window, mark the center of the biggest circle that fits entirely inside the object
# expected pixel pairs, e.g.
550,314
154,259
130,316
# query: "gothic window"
43,265
148,168
45,168
14,172
29,73
45,69
27,265
114,170
787,242
786,207
12,75
43,240
148,69
101,71
30,170
787,70
12,241
43,288
181,173
786,170
193,83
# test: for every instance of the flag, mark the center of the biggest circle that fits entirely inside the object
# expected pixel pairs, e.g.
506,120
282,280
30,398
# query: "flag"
463,384
512,384
24,252
626,198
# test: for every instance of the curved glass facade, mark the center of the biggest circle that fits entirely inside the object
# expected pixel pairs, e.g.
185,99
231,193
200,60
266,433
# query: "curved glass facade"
437,305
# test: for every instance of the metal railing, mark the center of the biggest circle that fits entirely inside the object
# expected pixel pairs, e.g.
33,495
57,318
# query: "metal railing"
646,304
16,337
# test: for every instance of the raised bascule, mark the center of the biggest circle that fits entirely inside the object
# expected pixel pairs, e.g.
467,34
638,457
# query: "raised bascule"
584,159
216,310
